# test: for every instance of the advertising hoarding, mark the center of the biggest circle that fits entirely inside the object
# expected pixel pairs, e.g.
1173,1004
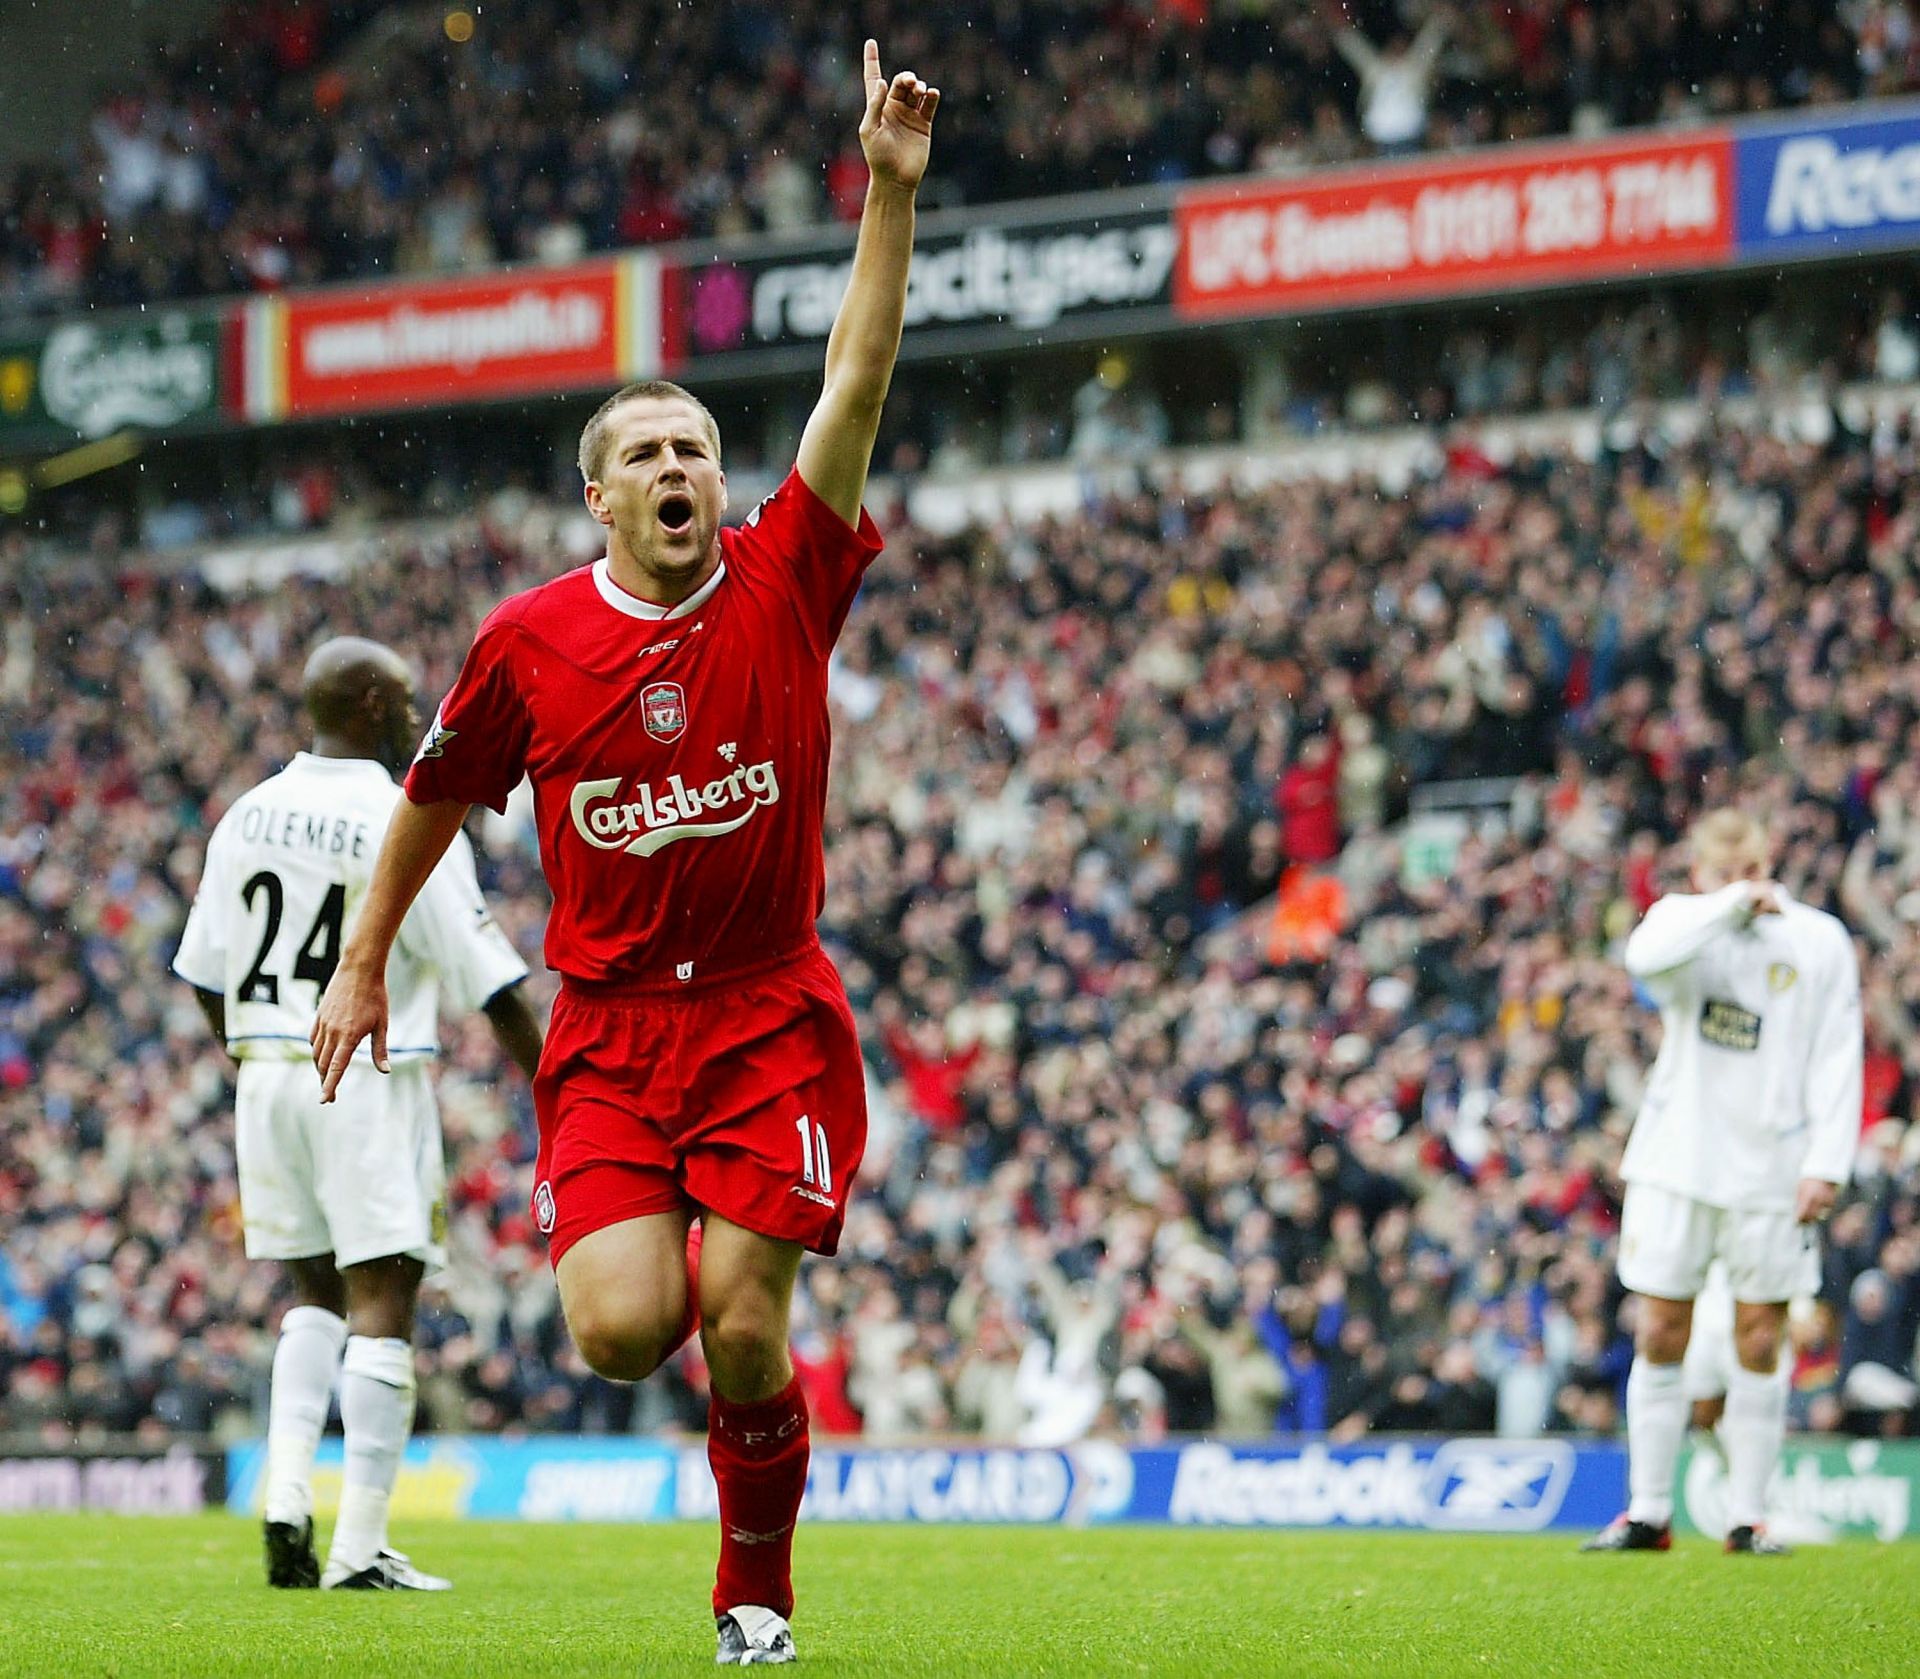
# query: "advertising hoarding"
124,1479
1015,280
1477,1486
1535,217
1828,187
442,343
92,376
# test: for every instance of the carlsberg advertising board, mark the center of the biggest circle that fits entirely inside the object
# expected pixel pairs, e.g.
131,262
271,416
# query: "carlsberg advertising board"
1822,1492
92,377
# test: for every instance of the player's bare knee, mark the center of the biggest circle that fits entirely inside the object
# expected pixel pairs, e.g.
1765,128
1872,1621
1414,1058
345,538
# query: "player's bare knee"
615,1355
745,1344
620,1347
1757,1346
1758,1329
1665,1346
1663,1331
316,1282
381,1294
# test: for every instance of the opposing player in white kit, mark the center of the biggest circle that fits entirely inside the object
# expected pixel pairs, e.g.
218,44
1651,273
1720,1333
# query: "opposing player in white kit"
350,1197
1747,1130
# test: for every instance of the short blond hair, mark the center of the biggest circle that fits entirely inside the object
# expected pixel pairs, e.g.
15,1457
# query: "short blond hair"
593,437
1721,832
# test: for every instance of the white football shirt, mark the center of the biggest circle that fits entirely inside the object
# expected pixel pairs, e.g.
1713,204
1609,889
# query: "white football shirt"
286,870
1758,1081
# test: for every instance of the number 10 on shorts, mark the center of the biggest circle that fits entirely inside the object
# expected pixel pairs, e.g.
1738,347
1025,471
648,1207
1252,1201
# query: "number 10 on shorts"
816,1166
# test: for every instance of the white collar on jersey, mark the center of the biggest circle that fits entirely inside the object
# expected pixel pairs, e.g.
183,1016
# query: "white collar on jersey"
634,607
340,766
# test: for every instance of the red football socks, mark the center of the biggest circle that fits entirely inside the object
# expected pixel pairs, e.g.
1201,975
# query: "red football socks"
759,1457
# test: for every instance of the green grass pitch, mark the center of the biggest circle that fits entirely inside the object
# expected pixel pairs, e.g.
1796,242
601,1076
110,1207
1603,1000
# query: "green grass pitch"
84,1596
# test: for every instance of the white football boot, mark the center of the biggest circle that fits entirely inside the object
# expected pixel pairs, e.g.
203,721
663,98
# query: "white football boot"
388,1572
751,1636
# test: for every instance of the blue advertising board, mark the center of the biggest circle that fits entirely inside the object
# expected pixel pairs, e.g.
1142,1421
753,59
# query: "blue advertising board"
1462,1486
1827,186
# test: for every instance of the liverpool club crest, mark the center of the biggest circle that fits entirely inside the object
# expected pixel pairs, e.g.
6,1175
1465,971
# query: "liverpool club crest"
663,708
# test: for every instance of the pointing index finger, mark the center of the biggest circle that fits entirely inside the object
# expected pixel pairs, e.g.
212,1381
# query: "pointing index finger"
872,63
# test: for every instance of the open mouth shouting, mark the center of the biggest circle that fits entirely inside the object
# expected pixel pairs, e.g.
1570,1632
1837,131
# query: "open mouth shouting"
676,513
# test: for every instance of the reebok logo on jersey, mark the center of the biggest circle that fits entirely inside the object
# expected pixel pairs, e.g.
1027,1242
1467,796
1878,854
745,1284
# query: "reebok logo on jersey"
655,818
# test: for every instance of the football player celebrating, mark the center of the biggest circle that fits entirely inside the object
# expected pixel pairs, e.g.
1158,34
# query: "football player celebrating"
669,704
1746,1132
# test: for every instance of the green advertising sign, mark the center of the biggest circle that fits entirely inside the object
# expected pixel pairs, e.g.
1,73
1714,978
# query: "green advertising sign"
92,378
1823,1491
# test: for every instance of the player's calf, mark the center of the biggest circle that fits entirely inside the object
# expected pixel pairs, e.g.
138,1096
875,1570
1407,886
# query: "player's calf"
1755,1424
757,1437
377,1394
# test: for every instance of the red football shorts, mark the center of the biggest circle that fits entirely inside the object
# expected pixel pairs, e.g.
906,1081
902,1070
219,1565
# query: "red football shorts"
743,1093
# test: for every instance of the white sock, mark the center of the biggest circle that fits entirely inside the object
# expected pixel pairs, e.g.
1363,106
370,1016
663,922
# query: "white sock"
376,1408
1656,1424
1754,1427
304,1366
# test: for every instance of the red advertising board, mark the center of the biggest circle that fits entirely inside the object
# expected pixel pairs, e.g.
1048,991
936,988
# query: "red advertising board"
1542,216
448,341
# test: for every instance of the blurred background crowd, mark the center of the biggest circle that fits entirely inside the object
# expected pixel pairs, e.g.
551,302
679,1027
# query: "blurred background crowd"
1230,885
301,141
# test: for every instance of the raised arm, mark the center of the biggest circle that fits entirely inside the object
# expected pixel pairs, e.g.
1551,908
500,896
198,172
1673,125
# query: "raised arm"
1358,51
1683,924
1427,44
355,1004
837,446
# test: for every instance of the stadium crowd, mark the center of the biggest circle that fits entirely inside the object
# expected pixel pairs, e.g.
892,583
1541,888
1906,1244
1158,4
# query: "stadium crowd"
1150,1153
313,140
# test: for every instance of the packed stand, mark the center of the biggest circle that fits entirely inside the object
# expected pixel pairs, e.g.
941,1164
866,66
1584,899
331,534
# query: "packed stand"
1143,1161
313,140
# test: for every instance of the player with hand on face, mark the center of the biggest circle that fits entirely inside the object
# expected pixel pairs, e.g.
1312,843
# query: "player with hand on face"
351,1199
1746,1132
669,705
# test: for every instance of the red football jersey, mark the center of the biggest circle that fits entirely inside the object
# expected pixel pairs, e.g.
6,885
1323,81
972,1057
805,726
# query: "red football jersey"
678,755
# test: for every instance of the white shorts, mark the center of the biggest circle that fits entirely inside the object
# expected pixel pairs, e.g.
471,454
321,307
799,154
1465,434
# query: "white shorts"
361,1179
1667,1241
